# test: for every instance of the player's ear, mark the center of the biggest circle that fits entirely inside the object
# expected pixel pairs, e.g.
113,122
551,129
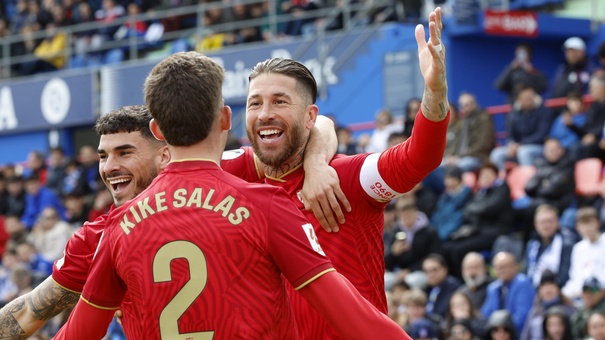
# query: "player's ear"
225,117
155,130
312,111
164,157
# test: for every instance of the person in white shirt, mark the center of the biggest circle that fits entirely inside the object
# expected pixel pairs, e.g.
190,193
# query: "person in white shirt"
588,255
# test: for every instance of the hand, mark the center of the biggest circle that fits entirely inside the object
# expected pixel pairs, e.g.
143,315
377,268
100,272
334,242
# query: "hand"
567,118
589,139
511,150
602,144
399,247
118,315
432,62
321,192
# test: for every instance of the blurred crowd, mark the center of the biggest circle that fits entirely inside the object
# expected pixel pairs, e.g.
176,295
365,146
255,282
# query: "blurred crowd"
44,26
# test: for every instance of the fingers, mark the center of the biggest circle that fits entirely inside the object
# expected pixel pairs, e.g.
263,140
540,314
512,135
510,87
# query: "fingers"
420,37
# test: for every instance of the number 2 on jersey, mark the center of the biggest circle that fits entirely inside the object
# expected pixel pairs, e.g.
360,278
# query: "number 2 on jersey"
169,328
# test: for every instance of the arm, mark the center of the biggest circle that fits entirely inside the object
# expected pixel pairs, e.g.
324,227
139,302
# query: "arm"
26,314
79,325
321,189
335,298
522,302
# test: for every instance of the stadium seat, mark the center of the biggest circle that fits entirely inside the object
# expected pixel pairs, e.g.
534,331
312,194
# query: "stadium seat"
588,174
517,178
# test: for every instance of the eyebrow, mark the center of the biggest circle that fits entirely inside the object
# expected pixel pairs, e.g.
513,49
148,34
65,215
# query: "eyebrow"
119,148
277,94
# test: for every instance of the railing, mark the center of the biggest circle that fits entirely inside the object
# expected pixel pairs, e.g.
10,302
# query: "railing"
193,34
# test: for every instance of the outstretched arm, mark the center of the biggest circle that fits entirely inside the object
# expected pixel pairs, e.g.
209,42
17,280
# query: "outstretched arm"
26,314
431,56
321,189
352,316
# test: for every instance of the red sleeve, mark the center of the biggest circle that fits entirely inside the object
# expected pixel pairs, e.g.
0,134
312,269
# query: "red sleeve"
85,322
104,288
71,271
406,164
293,244
353,317
242,163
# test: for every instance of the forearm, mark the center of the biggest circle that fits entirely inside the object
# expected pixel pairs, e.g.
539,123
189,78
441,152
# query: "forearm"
435,105
26,314
322,143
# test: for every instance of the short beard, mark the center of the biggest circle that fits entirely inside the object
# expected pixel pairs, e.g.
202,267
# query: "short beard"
476,282
294,141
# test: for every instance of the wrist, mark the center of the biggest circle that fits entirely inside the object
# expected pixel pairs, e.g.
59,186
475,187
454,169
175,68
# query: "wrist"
313,161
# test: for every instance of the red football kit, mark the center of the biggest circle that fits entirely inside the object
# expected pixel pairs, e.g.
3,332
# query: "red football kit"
369,182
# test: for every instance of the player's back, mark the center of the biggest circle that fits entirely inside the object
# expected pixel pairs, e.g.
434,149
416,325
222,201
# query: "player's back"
196,253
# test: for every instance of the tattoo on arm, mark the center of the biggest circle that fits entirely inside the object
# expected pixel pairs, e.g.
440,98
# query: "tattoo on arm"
33,309
9,327
50,300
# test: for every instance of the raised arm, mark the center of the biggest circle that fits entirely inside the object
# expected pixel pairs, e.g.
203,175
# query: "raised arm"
26,314
321,191
431,57
352,316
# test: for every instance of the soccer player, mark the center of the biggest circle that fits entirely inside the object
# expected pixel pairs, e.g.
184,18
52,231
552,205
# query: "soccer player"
130,159
202,252
281,110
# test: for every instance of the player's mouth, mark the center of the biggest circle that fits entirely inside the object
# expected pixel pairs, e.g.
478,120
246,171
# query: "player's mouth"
270,135
119,184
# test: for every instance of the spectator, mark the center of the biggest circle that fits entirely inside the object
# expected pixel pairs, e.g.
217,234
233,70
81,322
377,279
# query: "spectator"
415,301
462,329
16,196
57,161
346,143
527,127
422,329
512,291
550,249
89,160
76,209
587,258
471,137
37,16
572,115
521,71
500,326
37,199
448,215
593,140
3,195
414,240
601,59
488,215
593,300
411,110
556,324
36,166
109,12
8,289
596,325
382,131
549,295
101,203
441,285
15,230
461,308
50,234
476,279
574,74
74,180
39,266
18,21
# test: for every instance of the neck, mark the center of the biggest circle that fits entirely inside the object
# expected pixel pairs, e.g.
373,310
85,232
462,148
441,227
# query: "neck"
206,149
286,167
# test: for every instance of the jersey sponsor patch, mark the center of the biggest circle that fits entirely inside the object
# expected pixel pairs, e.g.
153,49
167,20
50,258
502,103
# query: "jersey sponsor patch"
313,240
372,183
232,154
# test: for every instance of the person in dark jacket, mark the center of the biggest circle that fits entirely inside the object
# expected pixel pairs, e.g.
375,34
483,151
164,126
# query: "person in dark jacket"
500,326
521,71
488,214
441,285
448,215
412,240
528,126
574,73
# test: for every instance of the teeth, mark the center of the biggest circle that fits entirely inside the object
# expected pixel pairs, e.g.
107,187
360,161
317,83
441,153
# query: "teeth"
121,180
269,132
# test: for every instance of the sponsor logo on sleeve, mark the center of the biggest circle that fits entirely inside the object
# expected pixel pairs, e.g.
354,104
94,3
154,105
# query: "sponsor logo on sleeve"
371,181
232,154
313,240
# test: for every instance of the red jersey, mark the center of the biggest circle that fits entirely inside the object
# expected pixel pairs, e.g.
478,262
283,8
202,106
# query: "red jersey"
202,252
369,182
71,271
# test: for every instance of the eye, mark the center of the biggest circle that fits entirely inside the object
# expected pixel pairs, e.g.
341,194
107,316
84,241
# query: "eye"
252,104
102,156
280,101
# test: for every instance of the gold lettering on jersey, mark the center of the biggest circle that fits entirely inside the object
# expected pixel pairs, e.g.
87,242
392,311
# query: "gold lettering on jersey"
160,201
225,205
179,198
194,198
126,225
144,208
207,200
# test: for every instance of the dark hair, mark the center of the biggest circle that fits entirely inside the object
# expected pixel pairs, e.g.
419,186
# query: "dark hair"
489,165
557,311
125,119
184,94
601,51
437,258
290,68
